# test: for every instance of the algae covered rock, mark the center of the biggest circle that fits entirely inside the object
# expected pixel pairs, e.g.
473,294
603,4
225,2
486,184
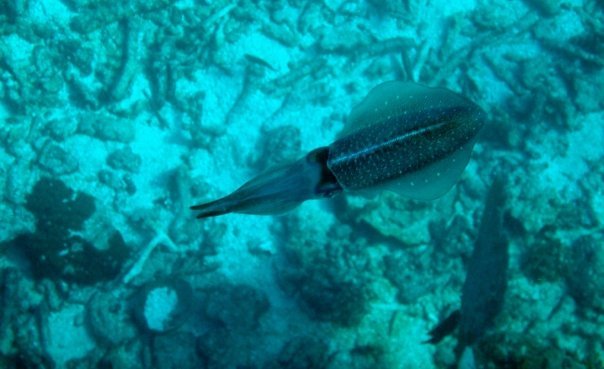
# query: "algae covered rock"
331,277
306,352
546,259
334,298
546,7
57,250
585,281
108,319
58,208
72,259
409,272
393,216
223,348
177,350
525,351
236,306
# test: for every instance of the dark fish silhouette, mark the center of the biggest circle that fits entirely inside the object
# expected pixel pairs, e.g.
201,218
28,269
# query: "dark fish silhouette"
404,137
444,328
486,280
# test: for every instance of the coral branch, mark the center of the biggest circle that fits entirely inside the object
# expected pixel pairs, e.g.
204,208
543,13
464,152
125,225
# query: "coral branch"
160,239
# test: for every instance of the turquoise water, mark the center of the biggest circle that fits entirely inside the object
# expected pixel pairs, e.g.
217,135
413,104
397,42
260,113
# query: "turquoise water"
116,117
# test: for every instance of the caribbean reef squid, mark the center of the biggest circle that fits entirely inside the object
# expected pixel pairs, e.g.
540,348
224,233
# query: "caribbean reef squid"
403,137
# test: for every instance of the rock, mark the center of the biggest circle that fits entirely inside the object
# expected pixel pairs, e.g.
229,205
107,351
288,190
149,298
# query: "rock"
302,353
222,348
80,55
57,249
334,298
280,145
160,304
393,216
13,134
176,350
236,306
68,340
108,318
585,281
328,270
73,258
58,161
18,180
120,184
69,209
560,29
60,129
588,93
497,15
546,7
9,283
123,356
111,179
344,41
546,259
409,273
281,33
125,159
107,128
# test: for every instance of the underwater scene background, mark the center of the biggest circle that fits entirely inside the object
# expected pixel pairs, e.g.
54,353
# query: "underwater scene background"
117,116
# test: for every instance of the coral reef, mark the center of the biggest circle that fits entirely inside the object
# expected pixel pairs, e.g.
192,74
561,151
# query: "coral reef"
236,307
409,273
331,279
546,259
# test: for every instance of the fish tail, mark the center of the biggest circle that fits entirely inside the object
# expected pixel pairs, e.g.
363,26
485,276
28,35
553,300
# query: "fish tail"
212,208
